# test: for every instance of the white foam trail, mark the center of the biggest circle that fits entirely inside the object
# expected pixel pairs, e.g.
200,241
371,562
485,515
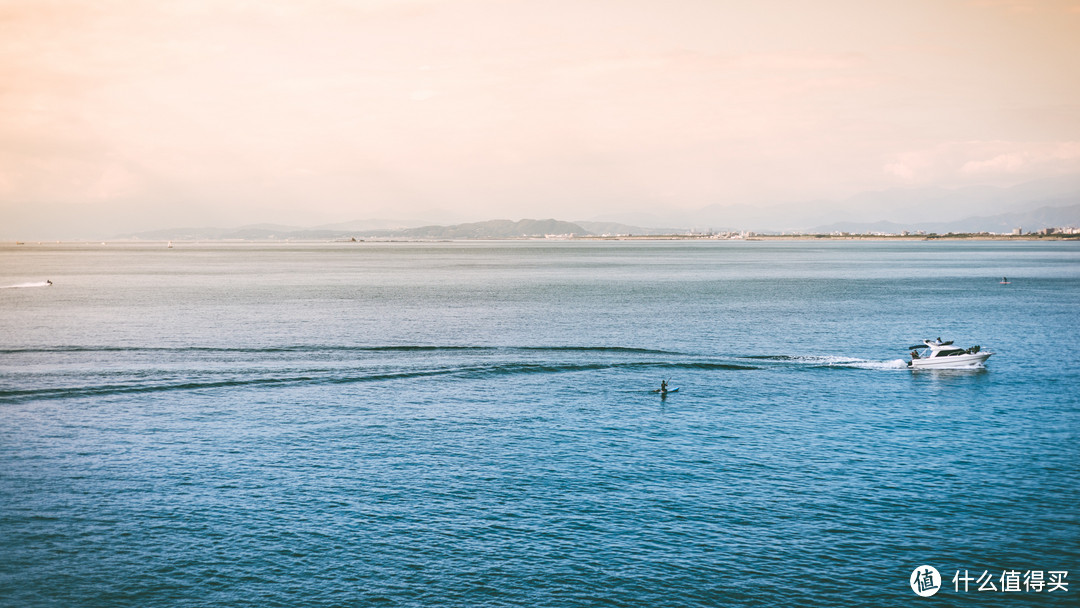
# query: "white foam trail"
21,285
890,364
852,362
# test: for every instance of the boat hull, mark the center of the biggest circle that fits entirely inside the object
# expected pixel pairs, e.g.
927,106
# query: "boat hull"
967,361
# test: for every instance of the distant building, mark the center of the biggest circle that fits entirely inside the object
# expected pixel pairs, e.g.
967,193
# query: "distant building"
1017,231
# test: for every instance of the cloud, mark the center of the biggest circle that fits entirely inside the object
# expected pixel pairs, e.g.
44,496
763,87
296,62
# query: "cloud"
1062,157
994,161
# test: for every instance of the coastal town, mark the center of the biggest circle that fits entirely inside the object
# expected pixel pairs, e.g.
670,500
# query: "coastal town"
1056,233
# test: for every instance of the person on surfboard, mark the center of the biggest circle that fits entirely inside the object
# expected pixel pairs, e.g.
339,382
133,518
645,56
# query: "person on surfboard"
663,386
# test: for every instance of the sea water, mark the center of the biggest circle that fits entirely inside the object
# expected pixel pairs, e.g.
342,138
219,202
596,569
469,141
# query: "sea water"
474,423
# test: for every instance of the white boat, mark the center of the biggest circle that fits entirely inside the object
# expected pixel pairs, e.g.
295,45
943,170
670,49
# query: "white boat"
943,355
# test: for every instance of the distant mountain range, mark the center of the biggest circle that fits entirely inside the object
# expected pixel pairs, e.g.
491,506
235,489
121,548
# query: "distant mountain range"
948,209
492,229
1028,221
498,229
1031,206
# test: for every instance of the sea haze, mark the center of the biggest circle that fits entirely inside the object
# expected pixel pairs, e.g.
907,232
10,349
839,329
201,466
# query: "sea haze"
473,423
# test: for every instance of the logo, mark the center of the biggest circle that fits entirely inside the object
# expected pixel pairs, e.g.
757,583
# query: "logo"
925,581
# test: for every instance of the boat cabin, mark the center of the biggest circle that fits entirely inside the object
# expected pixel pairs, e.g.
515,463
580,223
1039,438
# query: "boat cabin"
941,349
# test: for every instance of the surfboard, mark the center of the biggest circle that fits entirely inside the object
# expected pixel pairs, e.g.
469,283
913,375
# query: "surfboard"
670,390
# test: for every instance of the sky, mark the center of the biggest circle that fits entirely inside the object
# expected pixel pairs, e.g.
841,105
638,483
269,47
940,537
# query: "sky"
120,115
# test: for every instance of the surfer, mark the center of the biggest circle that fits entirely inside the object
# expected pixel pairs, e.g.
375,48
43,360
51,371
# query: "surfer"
48,282
663,386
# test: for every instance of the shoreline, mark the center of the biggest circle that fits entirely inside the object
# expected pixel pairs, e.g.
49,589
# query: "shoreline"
846,237
562,238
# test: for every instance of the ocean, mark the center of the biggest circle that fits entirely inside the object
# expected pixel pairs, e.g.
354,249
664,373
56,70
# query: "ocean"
474,424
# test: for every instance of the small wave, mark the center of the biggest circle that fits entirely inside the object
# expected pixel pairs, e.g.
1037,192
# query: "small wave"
548,368
599,349
128,388
705,365
22,285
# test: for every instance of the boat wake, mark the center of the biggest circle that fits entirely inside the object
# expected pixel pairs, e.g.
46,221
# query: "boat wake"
134,370
330,349
141,381
23,285
833,361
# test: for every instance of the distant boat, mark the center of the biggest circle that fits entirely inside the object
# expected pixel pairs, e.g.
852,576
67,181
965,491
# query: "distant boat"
943,355
170,244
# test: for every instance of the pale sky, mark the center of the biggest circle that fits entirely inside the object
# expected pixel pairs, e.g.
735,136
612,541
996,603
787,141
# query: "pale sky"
123,115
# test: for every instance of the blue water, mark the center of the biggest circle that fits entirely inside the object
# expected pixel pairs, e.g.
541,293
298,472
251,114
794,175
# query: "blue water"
472,424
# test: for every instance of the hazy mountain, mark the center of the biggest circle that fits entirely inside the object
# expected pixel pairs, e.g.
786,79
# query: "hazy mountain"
900,206
1034,205
1029,221
1032,220
493,229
